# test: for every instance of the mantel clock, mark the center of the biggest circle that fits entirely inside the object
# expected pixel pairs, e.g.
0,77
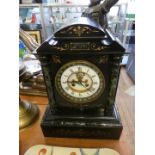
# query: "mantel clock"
81,65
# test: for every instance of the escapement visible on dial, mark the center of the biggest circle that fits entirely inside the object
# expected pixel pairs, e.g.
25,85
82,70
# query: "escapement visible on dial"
80,82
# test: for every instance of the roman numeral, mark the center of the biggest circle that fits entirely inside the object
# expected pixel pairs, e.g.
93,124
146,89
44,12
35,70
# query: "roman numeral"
95,83
66,75
71,70
80,94
92,89
88,93
72,93
67,88
64,82
93,76
79,69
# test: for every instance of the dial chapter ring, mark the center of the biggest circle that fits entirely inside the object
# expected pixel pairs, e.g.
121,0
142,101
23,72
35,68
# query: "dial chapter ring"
79,100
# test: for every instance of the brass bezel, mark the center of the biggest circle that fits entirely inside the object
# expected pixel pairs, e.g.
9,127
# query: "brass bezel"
75,100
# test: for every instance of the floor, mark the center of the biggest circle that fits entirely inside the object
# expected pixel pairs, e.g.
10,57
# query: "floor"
125,101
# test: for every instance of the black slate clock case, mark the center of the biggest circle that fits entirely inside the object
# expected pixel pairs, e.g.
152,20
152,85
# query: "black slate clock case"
82,40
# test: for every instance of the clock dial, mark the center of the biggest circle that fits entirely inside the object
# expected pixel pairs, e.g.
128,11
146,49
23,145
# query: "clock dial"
79,82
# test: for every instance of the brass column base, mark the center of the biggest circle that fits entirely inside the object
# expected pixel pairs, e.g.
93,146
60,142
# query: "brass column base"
28,113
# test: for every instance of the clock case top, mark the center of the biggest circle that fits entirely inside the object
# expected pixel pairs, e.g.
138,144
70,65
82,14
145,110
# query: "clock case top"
82,36
76,41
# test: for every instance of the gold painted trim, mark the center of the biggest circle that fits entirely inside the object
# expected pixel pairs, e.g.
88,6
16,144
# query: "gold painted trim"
91,47
76,44
56,59
78,30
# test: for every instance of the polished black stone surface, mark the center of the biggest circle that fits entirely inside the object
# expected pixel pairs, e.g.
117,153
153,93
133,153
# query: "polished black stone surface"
82,125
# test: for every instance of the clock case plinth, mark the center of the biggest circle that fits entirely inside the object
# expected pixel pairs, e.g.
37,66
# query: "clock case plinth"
97,126
82,40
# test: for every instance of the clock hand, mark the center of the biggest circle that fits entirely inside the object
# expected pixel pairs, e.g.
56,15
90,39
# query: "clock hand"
72,81
85,87
75,81
82,84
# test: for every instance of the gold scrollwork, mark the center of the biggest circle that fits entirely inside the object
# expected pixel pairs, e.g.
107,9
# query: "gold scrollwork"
93,46
97,48
117,58
79,30
61,48
56,59
66,46
103,59
100,48
80,46
116,64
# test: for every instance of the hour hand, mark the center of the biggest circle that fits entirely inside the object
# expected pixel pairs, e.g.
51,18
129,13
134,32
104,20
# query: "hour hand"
82,84
88,89
73,82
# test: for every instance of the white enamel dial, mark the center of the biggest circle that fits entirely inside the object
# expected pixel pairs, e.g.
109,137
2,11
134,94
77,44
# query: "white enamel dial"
80,82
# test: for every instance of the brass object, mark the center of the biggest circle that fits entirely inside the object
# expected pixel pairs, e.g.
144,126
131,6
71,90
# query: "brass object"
28,113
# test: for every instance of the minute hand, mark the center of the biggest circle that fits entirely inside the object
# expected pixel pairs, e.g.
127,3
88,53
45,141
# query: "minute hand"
85,86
